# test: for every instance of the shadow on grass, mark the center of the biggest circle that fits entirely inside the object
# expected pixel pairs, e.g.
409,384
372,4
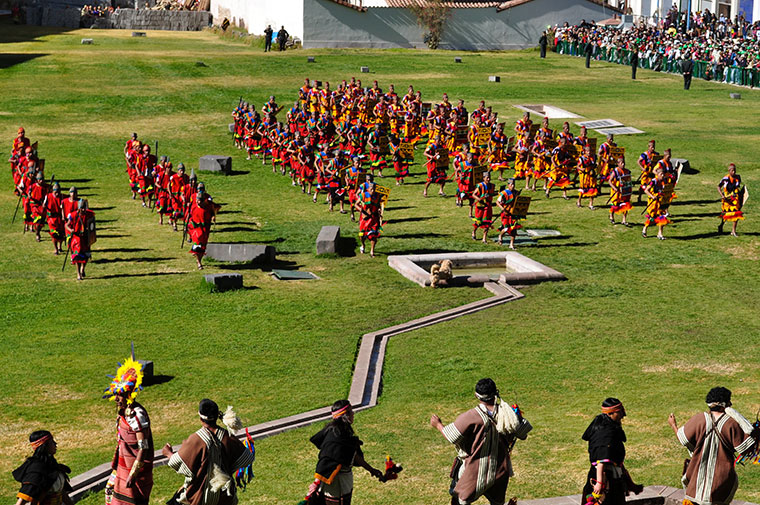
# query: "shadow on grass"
230,229
347,247
8,60
570,244
422,251
678,202
410,219
417,235
129,260
400,207
98,209
123,249
73,181
149,274
113,235
157,379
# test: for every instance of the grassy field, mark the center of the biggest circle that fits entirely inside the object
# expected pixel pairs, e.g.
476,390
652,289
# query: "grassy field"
656,324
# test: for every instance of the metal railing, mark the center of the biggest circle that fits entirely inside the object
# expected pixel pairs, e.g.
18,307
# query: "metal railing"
702,69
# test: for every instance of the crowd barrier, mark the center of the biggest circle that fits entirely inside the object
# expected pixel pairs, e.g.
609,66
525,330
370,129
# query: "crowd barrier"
702,69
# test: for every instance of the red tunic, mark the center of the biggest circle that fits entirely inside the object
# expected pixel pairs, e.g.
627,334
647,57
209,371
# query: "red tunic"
54,219
199,227
80,244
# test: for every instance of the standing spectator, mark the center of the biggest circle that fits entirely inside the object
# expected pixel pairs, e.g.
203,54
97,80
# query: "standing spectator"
542,42
634,62
588,49
268,38
687,68
282,38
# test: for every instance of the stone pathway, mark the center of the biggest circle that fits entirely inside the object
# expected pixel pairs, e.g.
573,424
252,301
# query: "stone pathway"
365,384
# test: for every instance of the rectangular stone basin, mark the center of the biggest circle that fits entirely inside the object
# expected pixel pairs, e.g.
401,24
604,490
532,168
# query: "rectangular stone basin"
476,268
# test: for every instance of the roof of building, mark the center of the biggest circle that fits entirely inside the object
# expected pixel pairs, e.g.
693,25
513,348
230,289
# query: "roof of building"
500,5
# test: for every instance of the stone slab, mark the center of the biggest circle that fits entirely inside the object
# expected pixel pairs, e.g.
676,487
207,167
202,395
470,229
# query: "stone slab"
735,96
241,253
231,127
543,233
328,239
139,34
365,70
310,59
620,130
147,368
494,78
293,275
600,123
457,60
215,163
546,110
86,41
683,164
226,281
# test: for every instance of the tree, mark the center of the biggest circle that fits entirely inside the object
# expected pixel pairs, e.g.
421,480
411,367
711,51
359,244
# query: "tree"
432,16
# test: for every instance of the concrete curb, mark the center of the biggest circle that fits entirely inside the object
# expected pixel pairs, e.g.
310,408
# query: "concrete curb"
365,384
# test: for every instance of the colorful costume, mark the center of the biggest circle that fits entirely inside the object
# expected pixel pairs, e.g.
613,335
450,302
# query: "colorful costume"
621,187
484,207
731,204
587,176
509,223
134,419
199,226
657,207
558,177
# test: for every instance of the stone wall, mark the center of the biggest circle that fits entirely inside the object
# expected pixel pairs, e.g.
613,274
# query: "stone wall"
130,19
468,29
53,16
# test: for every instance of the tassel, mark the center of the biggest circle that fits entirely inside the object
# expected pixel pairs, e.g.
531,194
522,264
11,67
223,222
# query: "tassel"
231,419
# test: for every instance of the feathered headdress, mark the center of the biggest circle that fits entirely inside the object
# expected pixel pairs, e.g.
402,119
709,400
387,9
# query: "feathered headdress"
127,382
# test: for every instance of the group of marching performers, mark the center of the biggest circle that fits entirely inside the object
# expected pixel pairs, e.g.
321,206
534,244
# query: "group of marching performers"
217,459
70,220
173,195
334,141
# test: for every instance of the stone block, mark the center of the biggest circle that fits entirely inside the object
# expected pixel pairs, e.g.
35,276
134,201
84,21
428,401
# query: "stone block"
683,164
310,59
494,78
241,253
147,369
138,34
214,163
365,70
225,282
328,239
736,96
231,127
457,60
86,41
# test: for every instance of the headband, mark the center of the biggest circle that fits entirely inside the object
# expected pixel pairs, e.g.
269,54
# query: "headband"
340,412
613,408
40,442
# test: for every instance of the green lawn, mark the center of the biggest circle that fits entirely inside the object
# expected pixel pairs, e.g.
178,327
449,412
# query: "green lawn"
656,324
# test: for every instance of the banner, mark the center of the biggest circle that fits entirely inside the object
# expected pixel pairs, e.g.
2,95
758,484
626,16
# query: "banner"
520,207
406,150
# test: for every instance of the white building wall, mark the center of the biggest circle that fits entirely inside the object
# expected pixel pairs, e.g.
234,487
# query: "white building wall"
255,15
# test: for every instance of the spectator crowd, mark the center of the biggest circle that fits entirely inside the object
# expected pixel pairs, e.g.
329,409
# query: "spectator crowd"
723,49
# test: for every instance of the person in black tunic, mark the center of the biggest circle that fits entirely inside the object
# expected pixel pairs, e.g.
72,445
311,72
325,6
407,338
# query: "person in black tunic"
43,480
339,450
608,481
268,38
588,50
687,69
542,42
634,62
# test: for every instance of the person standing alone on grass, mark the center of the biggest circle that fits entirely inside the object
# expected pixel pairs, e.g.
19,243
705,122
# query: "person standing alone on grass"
282,38
542,42
687,69
268,38
634,62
